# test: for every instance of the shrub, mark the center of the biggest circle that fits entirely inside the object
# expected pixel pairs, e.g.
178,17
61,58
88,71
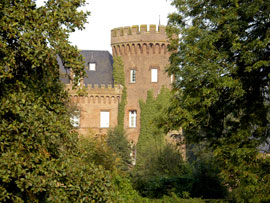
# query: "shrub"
118,143
96,150
208,183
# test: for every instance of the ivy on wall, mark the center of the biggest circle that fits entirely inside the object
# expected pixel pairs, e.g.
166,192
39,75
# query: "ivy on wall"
121,109
118,71
119,78
151,139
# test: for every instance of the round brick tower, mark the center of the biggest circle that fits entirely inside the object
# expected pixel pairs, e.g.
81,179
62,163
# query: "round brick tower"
145,56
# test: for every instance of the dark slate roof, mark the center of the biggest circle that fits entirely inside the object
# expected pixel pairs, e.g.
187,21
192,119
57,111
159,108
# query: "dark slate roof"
104,68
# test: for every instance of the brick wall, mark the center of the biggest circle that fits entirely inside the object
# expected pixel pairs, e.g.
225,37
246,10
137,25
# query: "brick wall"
97,99
141,50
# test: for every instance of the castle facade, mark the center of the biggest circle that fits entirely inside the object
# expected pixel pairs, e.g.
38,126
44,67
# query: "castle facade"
145,56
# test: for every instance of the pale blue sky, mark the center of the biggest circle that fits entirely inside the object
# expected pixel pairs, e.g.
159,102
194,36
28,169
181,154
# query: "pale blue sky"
109,14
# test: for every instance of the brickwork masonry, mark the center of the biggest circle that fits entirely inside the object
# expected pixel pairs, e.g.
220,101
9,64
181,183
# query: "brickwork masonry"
142,49
137,40
97,99
97,94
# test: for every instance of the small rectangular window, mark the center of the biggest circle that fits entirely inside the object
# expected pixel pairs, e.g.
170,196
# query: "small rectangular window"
132,119
104,119
75,119
92,66
132,76
154,75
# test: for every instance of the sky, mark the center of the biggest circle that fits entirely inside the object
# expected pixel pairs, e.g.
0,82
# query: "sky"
109,14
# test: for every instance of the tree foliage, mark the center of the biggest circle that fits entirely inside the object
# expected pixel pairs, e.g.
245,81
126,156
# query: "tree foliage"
207,183
40,160
151,138
221,93
159,165
118,143
95,150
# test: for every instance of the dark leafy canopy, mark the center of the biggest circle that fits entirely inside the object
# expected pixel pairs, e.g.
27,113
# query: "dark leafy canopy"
39,158
221,94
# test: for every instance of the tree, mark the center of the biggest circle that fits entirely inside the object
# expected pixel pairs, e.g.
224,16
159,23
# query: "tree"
119,145
207,182
39,156
151,139
221,92
159,164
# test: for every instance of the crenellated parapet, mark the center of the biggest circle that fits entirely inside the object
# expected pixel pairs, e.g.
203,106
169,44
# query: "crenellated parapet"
96,94
136,40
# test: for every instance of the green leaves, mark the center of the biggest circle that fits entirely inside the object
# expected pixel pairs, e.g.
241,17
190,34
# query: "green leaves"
118,143
151,140
221,66
118,71
40,159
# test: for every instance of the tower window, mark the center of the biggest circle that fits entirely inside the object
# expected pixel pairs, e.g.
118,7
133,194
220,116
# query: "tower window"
92,66
154,75
75,119
132,76
104,119
132,119
172,78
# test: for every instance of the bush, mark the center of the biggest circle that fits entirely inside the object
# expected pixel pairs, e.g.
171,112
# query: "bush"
124,191
174,198
81,180
208,183
164,172
95,150
159,186
118,143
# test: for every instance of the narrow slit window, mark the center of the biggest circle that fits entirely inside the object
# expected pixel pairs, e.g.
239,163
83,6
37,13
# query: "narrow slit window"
132,119
154,75
132,76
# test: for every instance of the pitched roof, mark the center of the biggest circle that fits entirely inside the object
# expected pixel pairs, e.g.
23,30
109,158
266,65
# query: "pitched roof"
104,68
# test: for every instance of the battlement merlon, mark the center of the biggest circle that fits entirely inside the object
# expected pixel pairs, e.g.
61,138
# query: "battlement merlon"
98,89
140,33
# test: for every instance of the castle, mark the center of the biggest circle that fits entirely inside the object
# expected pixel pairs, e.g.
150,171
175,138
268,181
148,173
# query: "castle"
145,56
